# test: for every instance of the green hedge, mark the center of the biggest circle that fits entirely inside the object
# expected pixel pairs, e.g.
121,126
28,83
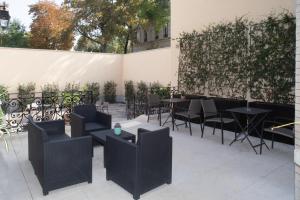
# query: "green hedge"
228,58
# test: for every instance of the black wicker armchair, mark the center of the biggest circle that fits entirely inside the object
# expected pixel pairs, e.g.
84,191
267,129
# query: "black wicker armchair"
86,118
57,159
140,167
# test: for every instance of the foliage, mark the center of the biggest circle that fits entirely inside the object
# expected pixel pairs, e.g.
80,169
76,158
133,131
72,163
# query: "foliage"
71,95
3,93
94,88
14,36
50,93
110,91
26,93
160,90
4,97
142,91
272,60
85,44
51,27
129,91
226,59
112,24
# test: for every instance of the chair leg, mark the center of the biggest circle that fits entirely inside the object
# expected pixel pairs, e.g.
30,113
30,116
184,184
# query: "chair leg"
148,115
272,141
203,126
190,127
136,196
215,124
222,132
45,192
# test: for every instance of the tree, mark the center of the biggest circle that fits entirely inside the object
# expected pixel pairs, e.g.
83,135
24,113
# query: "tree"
85,44
51,27
113,23
14,36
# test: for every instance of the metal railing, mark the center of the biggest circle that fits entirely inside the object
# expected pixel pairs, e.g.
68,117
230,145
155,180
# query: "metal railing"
41,106
138,104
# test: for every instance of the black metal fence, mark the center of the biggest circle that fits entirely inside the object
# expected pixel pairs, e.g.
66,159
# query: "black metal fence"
42,106
138,103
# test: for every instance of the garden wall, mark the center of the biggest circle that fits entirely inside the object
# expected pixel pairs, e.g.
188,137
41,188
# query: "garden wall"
148,66
61,67
50,66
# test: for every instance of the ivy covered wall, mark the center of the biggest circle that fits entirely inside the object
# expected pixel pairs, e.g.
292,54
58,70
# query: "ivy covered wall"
230,59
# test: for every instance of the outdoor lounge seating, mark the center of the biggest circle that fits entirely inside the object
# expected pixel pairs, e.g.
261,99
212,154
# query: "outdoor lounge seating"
140,167
86,118
286,131
193,112
212,115
153,106
57,159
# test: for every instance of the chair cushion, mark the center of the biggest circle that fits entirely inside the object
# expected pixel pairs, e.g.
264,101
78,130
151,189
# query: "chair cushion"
92,126
281,131
219,120
187,115
58,137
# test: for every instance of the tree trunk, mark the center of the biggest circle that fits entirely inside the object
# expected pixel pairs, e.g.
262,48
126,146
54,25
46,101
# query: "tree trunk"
126,44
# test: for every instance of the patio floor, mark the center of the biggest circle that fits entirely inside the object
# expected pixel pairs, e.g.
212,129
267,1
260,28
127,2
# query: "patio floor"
202,169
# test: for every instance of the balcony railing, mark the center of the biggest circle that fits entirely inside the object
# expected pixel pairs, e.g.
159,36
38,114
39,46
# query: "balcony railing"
42,107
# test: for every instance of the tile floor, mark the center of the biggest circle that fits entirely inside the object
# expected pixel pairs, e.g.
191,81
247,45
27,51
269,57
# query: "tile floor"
202,169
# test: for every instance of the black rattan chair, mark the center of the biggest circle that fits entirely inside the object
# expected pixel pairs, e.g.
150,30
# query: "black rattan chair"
193,112
86,118
287,131
153,106
140,167
211,115
57,159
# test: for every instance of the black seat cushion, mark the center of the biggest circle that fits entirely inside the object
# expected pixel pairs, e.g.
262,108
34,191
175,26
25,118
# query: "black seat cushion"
281,131
92,126
58,137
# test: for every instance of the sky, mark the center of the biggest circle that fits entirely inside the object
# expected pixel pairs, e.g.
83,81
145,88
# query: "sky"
18,9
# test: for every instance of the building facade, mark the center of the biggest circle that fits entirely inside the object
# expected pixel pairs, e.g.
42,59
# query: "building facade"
151,39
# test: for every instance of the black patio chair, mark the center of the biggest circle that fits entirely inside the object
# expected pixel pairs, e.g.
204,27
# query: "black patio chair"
286,131
193,112
212,115
153,106
141,167
57,159
86,118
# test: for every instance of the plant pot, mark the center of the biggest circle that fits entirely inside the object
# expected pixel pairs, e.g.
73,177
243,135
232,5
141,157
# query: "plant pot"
67,118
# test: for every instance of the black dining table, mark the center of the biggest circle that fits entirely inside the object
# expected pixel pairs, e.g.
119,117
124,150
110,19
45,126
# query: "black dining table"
255,116
172,102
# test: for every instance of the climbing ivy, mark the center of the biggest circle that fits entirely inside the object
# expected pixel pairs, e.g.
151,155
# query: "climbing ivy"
228,58
272,59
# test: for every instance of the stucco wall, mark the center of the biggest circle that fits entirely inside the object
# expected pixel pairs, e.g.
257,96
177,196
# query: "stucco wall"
148,66
48,66
192,15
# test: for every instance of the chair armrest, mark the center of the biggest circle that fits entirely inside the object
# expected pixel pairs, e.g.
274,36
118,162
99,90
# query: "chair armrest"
272,123
69,157
104,119
142,130
121,161
53,127
77,125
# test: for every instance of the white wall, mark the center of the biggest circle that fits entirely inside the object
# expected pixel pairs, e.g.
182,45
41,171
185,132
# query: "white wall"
148,66
48,66
189,15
